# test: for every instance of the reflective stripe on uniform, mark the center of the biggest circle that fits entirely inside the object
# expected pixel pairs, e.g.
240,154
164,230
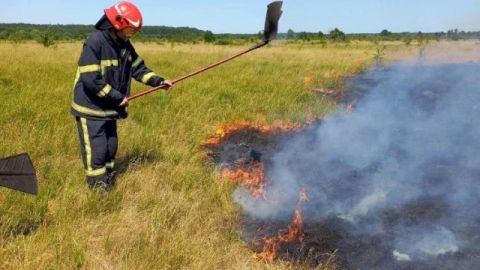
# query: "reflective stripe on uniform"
93,112
147,76
108,63
86,143
86,69
89,171
104,91
77,77
96,172
89,68
137,62
110,164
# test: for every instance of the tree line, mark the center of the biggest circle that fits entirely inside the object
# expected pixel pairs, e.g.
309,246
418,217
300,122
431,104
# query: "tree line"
50,34
42,33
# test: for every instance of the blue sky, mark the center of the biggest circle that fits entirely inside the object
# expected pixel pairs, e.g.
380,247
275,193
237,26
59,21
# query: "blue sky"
248,16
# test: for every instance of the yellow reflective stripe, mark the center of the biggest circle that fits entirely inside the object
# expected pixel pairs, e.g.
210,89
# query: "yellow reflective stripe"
96,172
93,112
85,69
77,77
110,165
89,68
108,63
104,91
147,76
89,171
137,62
86,143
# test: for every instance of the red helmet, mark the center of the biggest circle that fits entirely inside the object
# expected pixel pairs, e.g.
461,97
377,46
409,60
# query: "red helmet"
124,14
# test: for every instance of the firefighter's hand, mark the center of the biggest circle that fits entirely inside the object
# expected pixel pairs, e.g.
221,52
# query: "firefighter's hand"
166,84
124,102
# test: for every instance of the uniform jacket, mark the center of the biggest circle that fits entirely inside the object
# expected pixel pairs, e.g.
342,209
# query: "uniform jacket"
103,77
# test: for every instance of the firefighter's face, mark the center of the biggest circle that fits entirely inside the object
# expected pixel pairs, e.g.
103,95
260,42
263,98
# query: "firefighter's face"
129,32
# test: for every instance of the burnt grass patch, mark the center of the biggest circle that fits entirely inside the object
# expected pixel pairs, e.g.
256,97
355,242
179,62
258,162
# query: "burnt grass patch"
334,241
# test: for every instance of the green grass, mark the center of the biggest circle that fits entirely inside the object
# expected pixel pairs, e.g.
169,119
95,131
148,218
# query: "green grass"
170,210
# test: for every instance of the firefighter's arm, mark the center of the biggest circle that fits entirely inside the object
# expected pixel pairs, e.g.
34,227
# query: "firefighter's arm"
90,73
142,73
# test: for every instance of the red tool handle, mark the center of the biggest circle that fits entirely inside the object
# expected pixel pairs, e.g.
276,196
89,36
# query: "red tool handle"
201,70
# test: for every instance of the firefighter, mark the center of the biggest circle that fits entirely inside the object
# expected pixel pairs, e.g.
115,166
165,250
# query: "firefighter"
102,85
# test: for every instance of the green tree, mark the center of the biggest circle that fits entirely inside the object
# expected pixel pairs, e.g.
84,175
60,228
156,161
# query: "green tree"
19,35
385,33
290,34
209,37
453,34
304,36
336,35
4,34
47,39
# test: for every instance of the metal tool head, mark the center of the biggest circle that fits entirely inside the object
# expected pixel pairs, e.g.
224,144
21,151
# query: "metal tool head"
17,173
274,12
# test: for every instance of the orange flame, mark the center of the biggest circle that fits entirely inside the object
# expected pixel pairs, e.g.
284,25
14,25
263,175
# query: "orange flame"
252,177
252,174
295,232
224,130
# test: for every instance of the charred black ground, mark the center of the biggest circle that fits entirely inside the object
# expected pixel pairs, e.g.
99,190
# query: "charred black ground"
334,236
244,146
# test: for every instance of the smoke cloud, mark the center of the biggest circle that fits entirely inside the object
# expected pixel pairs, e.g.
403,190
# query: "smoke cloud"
404,164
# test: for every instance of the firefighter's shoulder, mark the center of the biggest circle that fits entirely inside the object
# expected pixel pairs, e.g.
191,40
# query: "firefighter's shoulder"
95,40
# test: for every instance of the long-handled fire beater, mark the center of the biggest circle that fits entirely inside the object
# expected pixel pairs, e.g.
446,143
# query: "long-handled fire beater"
270,32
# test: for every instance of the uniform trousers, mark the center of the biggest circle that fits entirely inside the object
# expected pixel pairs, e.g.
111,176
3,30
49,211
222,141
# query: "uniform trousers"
98,144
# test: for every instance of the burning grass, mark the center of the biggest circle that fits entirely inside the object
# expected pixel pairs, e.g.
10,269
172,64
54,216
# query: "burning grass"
412,226
245,145
242,151
294,233
330,243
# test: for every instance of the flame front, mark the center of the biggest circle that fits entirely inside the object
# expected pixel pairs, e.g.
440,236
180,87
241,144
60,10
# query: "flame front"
251,174
252,177
223,131
294,233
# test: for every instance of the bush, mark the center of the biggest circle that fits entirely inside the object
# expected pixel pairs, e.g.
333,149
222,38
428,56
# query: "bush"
47,40
209,37
223,42
336,35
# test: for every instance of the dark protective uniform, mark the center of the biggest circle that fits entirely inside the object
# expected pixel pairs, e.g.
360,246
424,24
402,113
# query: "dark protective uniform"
103,78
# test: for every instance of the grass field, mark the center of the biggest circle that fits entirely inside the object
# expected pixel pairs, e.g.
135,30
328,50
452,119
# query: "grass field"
170,210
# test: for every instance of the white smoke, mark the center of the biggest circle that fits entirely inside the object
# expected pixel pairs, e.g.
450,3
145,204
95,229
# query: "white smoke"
412,144
430,241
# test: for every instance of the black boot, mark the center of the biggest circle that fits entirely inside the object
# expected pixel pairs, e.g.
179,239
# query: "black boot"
98,182
111,178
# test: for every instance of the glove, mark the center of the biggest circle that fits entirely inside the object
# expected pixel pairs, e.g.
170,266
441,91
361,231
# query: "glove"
122,113
155,81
